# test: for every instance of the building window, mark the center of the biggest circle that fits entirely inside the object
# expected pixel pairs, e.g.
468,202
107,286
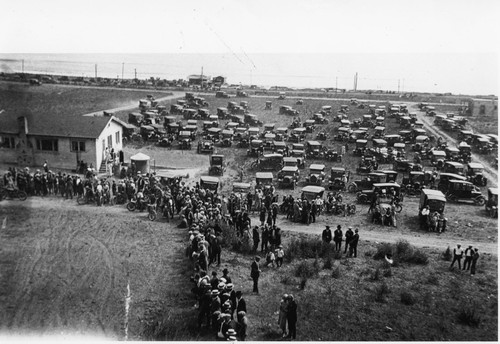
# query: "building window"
110,141
482,109
117,137
7,142
47,145
78,146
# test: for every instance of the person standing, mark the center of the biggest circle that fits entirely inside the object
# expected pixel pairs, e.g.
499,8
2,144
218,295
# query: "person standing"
348,237
256,238
469,252
255,274
292,317
353,244
327,235
337,238
283,315
475,257
46,166
265,238
457,256
280,254
241,303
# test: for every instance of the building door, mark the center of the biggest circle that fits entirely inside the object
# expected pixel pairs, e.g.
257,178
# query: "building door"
103,149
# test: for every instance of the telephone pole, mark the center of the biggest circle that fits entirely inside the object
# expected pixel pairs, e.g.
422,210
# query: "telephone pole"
135,73
123,67
96,71
356,81
398,84
336,83
22,65
201,77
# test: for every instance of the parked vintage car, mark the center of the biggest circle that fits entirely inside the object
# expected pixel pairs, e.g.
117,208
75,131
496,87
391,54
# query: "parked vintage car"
491,205
269,162
316,174
416,181
241,188
475,174
205,146
294,161
213,134
222,113
256,148
314,149
434,199
444,179
459,190
288,177
279,147
252,120
339,177
383,190
311,192
217,165
269,105
360,148
298,135
453,167
264,179
209,183
437,158
366,183
318,118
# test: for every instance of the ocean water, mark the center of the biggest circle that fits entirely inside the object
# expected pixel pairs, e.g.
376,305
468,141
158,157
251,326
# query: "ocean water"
456,73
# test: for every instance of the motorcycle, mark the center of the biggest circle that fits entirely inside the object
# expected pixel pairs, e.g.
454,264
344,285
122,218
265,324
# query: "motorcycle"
134,204
13,193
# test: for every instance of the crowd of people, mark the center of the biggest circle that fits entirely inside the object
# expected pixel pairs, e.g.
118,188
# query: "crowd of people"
470,255
351,240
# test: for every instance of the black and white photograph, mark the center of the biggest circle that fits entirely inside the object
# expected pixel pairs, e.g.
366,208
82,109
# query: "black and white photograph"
236,170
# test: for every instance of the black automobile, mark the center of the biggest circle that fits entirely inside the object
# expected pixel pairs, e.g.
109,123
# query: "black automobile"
475,174
459,190
366,182
288,177
339,177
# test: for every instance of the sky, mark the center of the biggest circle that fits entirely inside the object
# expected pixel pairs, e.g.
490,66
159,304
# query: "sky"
418,29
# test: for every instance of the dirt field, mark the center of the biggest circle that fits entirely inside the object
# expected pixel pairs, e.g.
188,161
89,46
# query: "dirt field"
66,268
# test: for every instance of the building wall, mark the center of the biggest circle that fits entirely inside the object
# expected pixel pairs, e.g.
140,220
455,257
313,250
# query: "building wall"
111,129
64,157
490,107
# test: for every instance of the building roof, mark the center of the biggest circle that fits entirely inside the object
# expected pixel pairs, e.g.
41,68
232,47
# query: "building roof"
58,125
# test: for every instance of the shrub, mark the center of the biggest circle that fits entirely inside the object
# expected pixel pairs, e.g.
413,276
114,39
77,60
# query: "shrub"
402,252
303,282
328,264
447,254
468,316
375,276
388,272
433,279
307,248
305,270
337,255
408,298
382,249
336,273
381,291
287,280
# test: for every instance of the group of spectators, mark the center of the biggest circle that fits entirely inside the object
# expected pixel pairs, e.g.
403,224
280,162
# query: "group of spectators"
351,240
471,257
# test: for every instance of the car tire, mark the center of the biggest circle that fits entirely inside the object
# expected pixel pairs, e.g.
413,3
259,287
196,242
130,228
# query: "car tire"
480,201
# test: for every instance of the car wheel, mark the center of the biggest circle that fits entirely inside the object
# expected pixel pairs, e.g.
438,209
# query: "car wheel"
351,188
480,200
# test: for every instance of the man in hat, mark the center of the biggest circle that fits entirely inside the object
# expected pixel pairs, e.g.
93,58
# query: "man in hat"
241,303
469,252
337,238
205,302
215,307
327,235
475,257
255,274
256,238
457,256
292,317
242,324
348,237
353,244
225,275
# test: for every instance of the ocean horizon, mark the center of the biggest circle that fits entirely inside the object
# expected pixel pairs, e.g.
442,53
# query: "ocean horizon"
441,73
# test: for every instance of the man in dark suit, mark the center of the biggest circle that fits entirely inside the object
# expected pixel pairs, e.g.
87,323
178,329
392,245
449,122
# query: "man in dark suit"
242,304
337,237
255,274
291,317
327,235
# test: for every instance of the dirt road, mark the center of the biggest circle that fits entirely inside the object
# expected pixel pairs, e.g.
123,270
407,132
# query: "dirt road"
175,95
490,172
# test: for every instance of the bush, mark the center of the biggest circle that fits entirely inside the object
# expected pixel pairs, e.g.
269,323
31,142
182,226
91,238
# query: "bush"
375,276
303,282
402,252
381,291
382,250
336,273
287,280
433,279
328,264
337,255
307,248
447,254
408,298
388,272
305,270
468,316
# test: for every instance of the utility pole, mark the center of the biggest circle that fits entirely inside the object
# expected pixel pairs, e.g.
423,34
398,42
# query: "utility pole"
356,81
398,84
123,67
403,84
201,77
336,83
22,65
135,73
96,71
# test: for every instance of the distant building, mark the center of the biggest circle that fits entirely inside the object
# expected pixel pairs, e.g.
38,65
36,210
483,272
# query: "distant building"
482,107
61,139
218,81
198,79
